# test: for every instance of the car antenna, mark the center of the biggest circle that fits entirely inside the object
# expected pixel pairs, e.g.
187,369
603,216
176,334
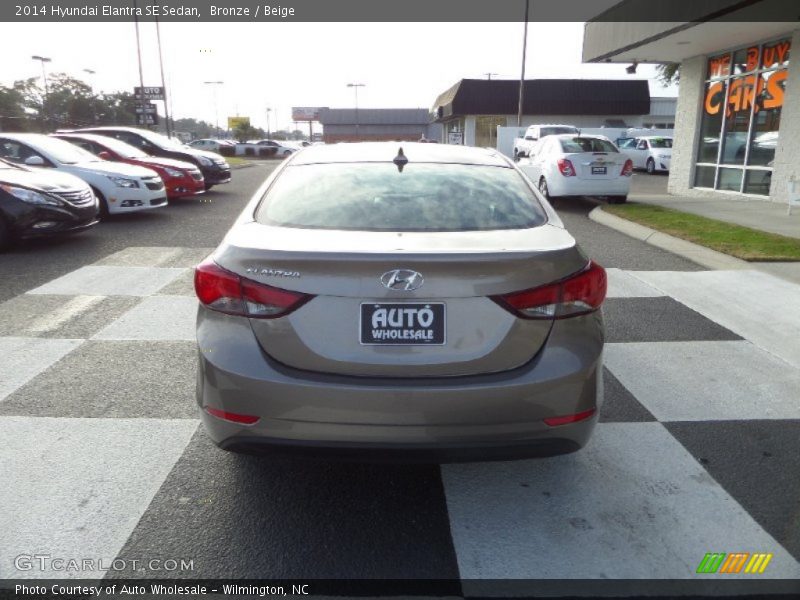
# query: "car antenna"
400,160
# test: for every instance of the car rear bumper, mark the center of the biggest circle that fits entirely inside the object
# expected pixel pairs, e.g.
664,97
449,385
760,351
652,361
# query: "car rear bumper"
482,417
574,186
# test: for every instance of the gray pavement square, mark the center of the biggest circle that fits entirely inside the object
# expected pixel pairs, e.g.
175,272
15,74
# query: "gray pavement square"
619,405
756,462
57,316
124,379
660,319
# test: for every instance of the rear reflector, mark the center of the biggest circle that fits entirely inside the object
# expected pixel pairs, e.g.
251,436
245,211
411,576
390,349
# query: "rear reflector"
227,292
232,417
576,295
567,419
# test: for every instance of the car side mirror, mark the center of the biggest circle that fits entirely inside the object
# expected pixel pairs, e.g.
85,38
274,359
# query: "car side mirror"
35,161
104,155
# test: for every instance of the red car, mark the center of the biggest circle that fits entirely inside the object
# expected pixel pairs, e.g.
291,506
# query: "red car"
180,178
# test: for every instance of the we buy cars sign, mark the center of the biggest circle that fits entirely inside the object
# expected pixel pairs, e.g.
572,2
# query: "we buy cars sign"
150,93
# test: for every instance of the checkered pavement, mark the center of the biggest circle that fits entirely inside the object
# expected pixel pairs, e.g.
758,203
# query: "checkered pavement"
102,455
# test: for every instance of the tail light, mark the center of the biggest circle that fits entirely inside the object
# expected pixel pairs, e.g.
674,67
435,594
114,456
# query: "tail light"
228,293
627,169
566,168
578,294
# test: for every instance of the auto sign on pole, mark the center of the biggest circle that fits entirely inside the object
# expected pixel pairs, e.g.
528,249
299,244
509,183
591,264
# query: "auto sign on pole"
147,119
149,93
147,109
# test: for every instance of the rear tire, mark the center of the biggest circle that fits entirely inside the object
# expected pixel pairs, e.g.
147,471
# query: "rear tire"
101,203
651,166
287,153
617,199
543,189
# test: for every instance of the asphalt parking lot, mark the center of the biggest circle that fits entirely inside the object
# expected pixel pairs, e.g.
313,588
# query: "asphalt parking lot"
103,457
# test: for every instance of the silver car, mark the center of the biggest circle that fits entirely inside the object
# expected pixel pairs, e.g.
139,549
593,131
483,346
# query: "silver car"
400,300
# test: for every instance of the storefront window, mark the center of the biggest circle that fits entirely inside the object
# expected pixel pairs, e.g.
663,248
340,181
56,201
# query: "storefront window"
454,131
486,130
741,118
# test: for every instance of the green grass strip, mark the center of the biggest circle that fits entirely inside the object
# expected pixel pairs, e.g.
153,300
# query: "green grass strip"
735,240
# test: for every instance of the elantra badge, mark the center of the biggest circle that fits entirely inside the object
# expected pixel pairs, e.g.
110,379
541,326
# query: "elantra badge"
402,279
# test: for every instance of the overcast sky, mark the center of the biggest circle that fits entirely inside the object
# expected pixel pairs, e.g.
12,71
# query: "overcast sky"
280,65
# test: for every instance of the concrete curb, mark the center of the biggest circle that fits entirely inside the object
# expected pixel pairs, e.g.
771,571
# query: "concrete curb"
699,254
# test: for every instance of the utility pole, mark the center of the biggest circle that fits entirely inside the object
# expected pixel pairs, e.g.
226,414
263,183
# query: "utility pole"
269,110
522,76
45,102
141,73
355,87
489,75
163,82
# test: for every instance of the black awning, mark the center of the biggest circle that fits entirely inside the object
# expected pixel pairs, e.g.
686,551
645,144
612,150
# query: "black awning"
545,97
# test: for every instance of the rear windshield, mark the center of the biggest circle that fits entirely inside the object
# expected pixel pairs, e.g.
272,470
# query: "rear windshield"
378,197
585,144
661,143
557,130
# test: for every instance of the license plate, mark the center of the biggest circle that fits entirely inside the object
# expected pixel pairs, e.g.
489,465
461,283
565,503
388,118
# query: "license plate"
598,170
402,324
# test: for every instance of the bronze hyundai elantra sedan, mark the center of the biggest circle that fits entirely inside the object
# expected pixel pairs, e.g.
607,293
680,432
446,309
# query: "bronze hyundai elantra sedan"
399,300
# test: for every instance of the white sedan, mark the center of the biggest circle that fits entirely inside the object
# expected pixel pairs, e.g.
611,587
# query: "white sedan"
579,165
119,187
652,153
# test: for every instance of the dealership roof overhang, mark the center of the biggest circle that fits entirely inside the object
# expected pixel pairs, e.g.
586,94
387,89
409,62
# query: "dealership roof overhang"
708,27
544,97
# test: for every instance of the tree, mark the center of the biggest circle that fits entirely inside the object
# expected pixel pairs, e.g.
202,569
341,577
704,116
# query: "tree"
668,73
12,110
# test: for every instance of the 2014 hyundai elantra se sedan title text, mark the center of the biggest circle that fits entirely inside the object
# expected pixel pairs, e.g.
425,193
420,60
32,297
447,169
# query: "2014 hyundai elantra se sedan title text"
411,300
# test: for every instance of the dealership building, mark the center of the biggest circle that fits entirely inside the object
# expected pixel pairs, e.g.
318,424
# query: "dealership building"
377,124
737,122
472,109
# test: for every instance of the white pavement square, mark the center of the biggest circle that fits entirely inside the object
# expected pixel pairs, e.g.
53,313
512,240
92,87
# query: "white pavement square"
621,284
759,307
83,488
21,359
706,381
156,256
155,318
632,504
111,281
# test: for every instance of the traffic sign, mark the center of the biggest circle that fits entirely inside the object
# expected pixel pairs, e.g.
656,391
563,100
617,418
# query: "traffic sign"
147,109
150,93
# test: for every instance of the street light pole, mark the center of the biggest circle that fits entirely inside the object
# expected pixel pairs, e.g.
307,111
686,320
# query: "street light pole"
269,110
42,60
216,111
355,87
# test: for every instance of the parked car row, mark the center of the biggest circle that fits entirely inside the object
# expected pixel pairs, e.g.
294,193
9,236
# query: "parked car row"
60,183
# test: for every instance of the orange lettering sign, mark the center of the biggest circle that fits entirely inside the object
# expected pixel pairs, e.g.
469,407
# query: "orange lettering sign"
713,102
774,98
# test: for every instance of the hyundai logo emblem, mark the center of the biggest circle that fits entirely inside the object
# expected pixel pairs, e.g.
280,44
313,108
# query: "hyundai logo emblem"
402,279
